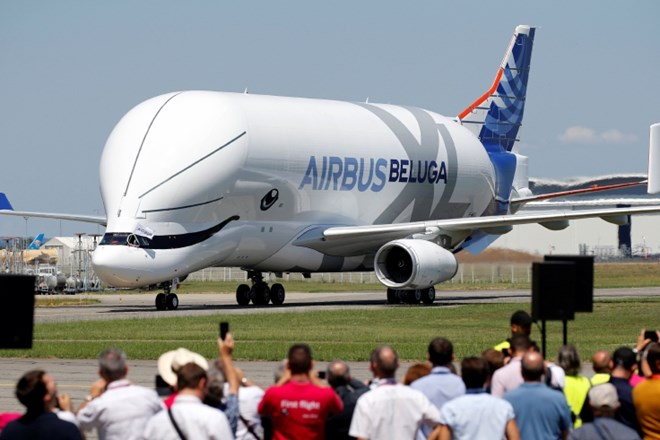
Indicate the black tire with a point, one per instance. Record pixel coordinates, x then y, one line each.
277 294
261 294
393 296
161 303
412 296
428 295
172 301
243 295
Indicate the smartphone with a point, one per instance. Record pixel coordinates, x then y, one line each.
652 335
224 329
321 374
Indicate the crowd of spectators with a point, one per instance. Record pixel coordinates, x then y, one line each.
510 391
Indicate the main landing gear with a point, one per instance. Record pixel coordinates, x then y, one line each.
167 300
427 296
259 294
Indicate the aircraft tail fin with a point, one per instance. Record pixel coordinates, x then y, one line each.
37 242
4 202
496 116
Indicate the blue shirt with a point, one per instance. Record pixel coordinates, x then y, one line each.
477 416
440 386
541 412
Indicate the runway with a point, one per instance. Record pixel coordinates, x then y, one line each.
141 305
75 376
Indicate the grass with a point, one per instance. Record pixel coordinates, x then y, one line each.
347 334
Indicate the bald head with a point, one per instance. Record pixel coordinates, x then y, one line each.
384 362
601 362
338 373
532 366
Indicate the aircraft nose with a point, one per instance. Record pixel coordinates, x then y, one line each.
114 266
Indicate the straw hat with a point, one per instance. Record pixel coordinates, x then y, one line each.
171 361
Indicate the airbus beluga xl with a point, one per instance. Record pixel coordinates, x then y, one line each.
278 185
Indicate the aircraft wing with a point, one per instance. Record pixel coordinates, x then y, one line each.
347 240
7 209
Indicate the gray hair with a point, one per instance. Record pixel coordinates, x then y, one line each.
112 363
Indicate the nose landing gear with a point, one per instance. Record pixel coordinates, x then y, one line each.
167 300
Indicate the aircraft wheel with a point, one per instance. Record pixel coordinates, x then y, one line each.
172 301
161 304
428 295
412 296
261 293
393 296
277 294
243 294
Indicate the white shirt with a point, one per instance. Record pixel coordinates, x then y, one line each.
120 412
392 411
248 401
195 419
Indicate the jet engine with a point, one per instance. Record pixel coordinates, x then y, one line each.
413 264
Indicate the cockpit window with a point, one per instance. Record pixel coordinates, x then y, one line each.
174 241
125 239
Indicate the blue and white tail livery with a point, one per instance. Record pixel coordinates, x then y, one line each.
37 242
497 115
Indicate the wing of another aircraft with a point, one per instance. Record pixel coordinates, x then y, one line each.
7 209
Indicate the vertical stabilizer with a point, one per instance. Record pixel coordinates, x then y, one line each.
654 160
497 115
37 242
4 202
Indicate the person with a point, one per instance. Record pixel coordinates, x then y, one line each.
623 364
249 396
521 324
390 410
554 374
117 408
172 360
299 403
224 398
477 414
600 363
189 417
640 347
338 375
645 394
441 385
509 376
541 412
577 386
37 391
604 402
416 371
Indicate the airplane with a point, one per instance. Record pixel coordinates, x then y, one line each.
194 179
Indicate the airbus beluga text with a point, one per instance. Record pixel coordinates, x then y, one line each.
273 184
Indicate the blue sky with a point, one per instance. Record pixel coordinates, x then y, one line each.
71 69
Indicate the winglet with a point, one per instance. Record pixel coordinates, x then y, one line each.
4 202
654 160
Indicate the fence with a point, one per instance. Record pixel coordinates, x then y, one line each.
477 273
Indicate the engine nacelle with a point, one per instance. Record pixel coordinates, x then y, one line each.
413 264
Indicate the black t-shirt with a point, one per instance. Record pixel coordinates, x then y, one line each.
40 426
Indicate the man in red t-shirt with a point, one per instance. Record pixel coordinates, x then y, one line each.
299 403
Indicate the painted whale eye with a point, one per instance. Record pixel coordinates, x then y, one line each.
269 199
